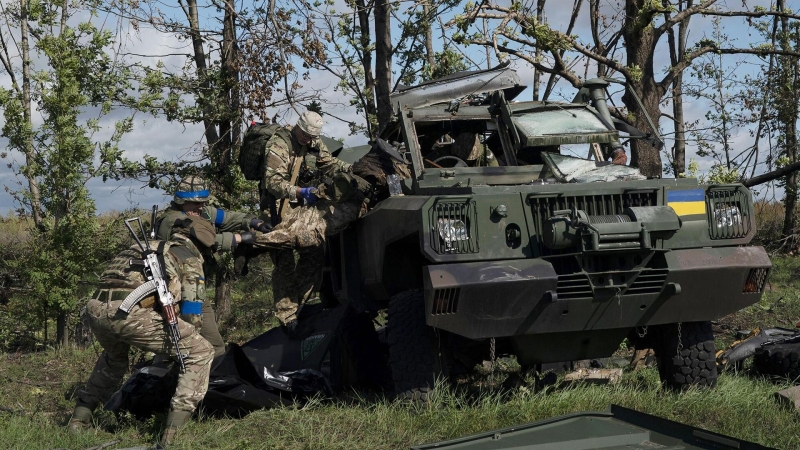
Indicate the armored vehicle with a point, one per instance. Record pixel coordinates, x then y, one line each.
509 245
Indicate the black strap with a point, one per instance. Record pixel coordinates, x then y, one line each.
160 256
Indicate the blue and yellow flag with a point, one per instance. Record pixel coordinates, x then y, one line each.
687 203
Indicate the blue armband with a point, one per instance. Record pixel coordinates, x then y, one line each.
220 218
188 307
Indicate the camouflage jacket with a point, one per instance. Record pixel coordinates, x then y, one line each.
485 159
227 224
183 264
281 155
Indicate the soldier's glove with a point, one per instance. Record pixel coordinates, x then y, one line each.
248 238
309 195
260 225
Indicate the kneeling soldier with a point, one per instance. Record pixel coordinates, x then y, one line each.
145 328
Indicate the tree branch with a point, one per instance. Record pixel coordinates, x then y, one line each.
775 174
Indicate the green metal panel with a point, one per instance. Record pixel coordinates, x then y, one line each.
621 428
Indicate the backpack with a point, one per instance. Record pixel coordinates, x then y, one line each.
251 154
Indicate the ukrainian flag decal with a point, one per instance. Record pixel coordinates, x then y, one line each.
687 203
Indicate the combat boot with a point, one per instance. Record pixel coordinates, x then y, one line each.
175 420
81 419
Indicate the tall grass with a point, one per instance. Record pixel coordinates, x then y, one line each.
741 406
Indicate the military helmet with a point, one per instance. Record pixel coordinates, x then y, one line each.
310 122
191 189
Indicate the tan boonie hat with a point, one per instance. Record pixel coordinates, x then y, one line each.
311 123
467 146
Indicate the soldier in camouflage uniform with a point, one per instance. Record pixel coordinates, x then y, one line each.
296 160
232 228
144 327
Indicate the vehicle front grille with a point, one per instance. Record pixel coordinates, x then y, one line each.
648 282
446 219
572 287
756 280
593 205
728 213
445 301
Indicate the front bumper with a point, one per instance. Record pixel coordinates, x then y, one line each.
514 298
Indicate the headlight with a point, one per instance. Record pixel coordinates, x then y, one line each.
451 231
727 216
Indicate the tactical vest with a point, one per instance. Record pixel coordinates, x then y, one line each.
181 260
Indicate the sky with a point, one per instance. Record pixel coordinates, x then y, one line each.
172 141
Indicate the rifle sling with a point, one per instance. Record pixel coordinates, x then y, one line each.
298 161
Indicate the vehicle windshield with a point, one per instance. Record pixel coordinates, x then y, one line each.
474 141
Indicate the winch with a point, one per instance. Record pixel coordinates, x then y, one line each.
636 227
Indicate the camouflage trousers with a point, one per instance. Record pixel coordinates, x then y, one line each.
143 328
307 226
295 280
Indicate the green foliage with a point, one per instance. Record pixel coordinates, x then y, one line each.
78 73
716 81
547 38
448 61
636 73
717 174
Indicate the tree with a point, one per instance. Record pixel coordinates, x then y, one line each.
211 80
641 26
73 89
355 44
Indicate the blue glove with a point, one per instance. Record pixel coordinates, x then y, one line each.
309 194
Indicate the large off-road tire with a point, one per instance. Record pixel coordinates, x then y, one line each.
693 364
781 360
413 355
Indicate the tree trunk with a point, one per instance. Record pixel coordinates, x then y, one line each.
62 336
366 64
677 47
228 93
383 61
788 115
640 46
30 161
429 55
679 149
202 72
536 74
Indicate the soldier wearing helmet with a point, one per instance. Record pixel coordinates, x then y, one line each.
190 200
296 162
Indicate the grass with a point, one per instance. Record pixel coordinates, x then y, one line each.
38 387
37 391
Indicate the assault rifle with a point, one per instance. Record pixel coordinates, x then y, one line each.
156 283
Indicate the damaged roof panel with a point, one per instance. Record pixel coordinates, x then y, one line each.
456 86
